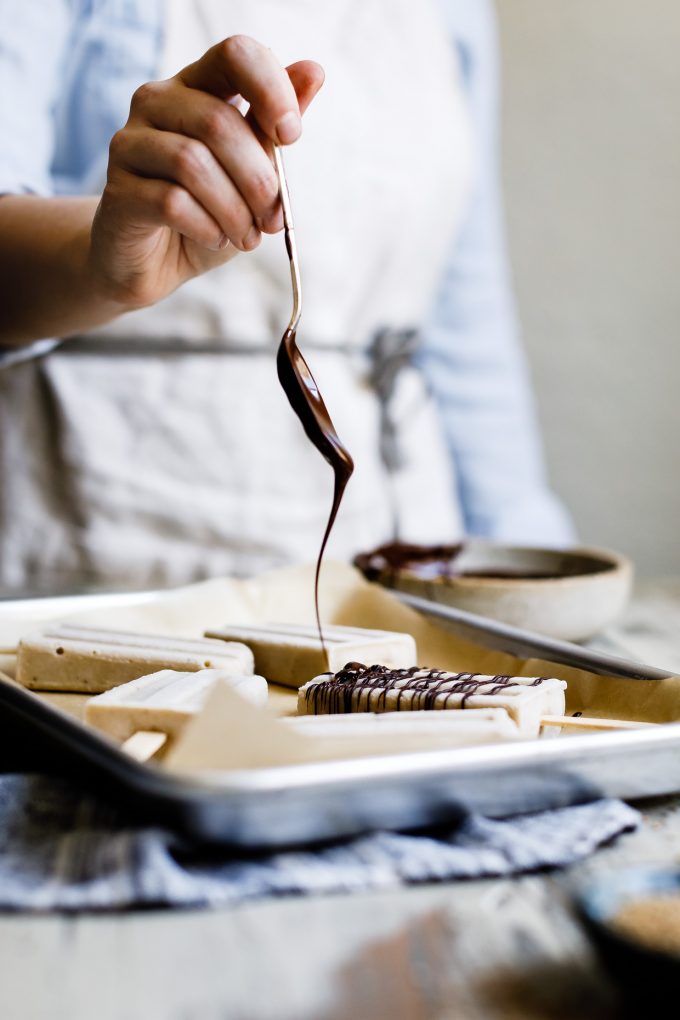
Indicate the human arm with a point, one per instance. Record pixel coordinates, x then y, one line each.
190 182
471 355
48 289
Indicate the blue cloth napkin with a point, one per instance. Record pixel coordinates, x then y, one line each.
62 851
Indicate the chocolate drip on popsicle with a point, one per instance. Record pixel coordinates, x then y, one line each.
339 691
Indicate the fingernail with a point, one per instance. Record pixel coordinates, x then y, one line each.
270 224
288 128
223 242
252 239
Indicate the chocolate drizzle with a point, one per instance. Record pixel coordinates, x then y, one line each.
303 393
352 689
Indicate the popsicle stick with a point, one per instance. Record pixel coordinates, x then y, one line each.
144 744
582 722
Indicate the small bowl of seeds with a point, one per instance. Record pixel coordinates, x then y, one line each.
633 918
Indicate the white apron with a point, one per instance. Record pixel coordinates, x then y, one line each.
157 459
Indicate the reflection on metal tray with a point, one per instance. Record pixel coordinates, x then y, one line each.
306 803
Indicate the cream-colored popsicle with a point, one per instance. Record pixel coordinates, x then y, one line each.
65 657
230 734
378 689
391 732
291 654
164 701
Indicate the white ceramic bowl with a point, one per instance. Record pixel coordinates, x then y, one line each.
567 594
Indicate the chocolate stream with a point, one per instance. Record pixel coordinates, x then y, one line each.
305 398
303 393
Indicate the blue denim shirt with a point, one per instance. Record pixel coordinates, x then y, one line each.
61 60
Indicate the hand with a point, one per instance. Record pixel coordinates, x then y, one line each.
190 179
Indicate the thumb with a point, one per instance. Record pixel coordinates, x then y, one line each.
307 77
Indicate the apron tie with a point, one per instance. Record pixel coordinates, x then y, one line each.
390 351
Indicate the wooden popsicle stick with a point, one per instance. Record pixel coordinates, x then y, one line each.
144 744
583 722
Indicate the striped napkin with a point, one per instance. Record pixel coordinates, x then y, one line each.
63 851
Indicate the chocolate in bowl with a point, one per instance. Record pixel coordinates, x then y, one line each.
424 560
568 594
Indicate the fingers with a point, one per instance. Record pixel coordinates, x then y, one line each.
189 163
224 133
306 77
157 203
242 66
206 169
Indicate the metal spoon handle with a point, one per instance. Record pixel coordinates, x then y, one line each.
289 234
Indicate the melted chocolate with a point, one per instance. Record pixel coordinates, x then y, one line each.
303 393
431 688
434 562
425 561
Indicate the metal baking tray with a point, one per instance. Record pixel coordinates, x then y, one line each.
295 805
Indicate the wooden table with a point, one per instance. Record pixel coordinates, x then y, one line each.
487 949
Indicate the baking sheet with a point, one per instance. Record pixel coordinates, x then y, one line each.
302 803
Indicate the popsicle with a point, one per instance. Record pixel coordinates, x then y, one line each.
163 703
359 688
404 731
230 734
89 660
291 654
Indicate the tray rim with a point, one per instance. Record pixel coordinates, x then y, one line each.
529 752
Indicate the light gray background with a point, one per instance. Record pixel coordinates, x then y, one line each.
591 129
